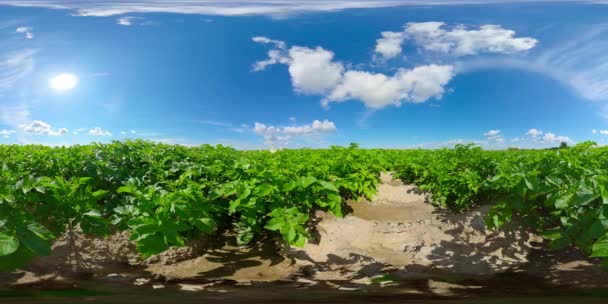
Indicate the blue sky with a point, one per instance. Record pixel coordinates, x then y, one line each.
262 74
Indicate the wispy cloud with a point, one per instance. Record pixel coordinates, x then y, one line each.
14 66
106 8
126 20
580 63
7 133
27 31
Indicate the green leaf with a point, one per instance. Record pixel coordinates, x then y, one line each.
100 193
600 248
150 245
93 213
8 244
40 230
553 234
327 185
563 201
35 237
305 182
291 235
206 225
300 241
17 259
126 189
275 224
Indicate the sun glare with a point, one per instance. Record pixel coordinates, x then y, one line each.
64 82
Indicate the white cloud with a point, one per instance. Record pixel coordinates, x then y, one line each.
379 90
578 61
494 136
125 21
27 31
104 8
546 137
313 71
78 131
389 46
492 133
14 66
42 128
316 127
603 132
129 132
456 41
97 131
280 136
265 40
7 133
534 133
14 115
594 131
552 138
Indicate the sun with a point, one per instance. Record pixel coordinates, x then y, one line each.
64 82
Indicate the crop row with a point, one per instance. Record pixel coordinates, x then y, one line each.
166 194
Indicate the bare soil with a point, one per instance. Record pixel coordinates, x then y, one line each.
398 235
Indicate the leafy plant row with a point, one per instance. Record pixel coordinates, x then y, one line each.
165 195
563 194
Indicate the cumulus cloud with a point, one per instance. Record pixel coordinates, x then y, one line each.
281 135
27 31
42 128
534 133
389 46
378 90
546 137
97 131
552 138
314 71
456 41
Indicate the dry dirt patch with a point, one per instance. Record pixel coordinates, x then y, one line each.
399 232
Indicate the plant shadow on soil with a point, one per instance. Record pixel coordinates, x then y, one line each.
224 260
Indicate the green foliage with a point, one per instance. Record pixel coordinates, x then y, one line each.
165 194
454 177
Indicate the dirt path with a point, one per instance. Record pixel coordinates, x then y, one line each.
398 233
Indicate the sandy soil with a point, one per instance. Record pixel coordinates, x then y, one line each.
398 233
